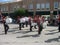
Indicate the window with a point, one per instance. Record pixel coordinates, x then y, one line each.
30 6
17 6
4 8
55 5
42 6
37 6
13 7
47 5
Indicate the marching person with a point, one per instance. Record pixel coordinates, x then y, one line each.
26 21
18 19
30 22
6 27
22 22
35 21
39 24
43 19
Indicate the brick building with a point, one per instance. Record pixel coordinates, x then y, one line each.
35 7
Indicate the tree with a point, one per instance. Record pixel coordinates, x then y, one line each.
20 12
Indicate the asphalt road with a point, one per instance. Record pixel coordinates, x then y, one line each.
49 36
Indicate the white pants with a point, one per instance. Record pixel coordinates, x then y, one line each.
44 25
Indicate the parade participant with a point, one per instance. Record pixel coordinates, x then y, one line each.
44 23
23 21
35 21
26 21
39 24
5 22
21 24
59 23
43 19
30 21
10 19
18 19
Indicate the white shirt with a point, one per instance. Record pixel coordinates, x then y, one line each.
22 20
8 20
26 18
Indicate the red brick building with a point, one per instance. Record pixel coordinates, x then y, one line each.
35 7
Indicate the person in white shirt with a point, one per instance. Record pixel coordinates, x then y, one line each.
26 21
22 22
6 27
8 20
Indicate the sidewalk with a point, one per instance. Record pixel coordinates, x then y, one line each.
49 36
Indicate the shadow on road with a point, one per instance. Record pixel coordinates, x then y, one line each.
53 39
52 33
2 34
12 30
24 32
36 35
52 30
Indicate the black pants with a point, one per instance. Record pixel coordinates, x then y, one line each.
26 23
21 25
6 27
30 26
39 28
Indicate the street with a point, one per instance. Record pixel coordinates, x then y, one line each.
49 36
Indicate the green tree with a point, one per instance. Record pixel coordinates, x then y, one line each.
20 12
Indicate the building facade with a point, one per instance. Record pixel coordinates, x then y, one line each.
35 7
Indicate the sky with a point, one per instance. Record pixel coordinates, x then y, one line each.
3 0
8 0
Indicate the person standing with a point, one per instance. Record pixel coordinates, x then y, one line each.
59 23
